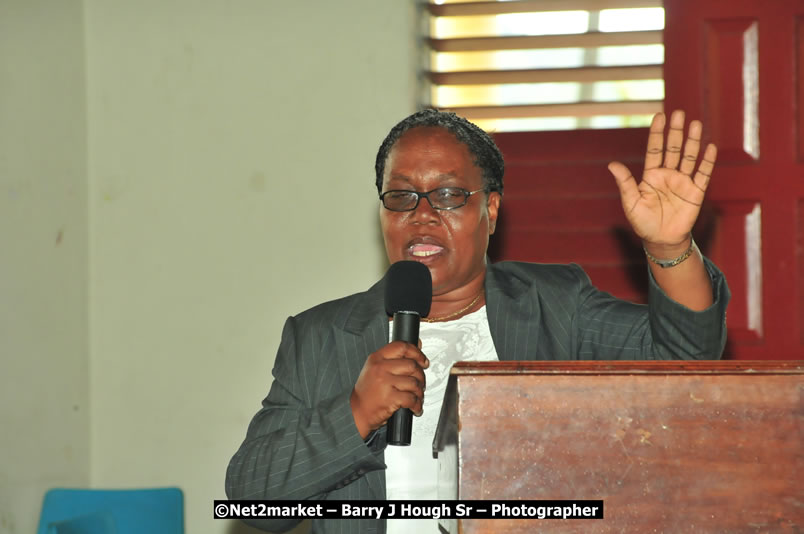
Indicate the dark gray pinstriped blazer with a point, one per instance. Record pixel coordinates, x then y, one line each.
303 443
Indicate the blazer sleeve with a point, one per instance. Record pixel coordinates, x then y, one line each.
299 446
609 328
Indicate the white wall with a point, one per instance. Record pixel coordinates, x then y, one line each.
176 178
231 152
44 409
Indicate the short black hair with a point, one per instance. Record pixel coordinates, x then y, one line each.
487 156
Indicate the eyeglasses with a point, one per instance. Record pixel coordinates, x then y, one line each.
443 198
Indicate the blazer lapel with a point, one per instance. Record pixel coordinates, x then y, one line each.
364 330
512 315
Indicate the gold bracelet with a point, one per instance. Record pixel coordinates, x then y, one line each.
664 264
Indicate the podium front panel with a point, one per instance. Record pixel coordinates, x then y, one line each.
667 447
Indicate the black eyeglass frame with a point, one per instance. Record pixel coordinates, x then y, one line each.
466 195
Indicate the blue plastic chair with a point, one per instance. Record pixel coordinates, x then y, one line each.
119 511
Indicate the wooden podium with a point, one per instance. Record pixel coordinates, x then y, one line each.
673 447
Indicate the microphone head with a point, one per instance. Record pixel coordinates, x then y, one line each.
408 288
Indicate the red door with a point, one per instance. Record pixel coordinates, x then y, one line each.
738 66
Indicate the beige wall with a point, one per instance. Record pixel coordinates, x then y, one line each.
226 150
44 391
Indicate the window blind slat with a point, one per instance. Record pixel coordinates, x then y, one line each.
586 40
546 64
580 109
584 74
531 6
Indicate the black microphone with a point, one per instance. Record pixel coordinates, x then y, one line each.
408 294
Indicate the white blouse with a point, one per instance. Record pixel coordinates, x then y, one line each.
412 471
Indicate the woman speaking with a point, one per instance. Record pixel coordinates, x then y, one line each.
338 377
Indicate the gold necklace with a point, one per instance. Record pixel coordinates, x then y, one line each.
451 315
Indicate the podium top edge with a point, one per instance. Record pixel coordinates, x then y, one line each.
606 367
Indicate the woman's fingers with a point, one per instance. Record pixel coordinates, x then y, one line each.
706 167
653 157
675 139
629 191
691 148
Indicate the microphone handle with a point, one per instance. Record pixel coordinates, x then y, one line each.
400 424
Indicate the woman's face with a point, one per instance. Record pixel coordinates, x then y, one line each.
451 243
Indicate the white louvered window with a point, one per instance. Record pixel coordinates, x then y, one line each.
526 65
